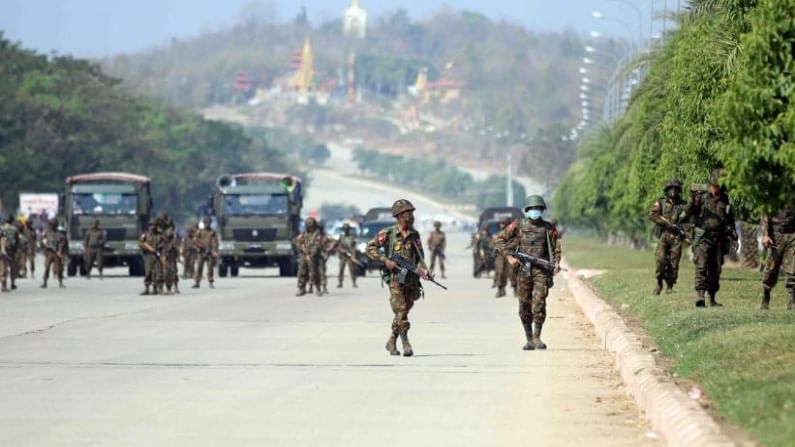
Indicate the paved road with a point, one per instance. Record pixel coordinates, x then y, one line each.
250 364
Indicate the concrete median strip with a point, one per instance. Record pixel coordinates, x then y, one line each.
672 413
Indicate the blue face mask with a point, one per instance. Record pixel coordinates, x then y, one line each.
533 214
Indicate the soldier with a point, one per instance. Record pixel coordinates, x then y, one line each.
665 213
535 237
206 243
151 243
346 251
401 239
501 267
55 245
309 246
326 248
473 244
189 252
714 229
93 243
27 247
8 253
778 237
437 243
171 252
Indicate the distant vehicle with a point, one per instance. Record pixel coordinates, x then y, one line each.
257 216
368 231
336 229
490 218
382 214
123 204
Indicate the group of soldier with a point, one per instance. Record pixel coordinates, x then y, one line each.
18 245
162 249
314 247
707 221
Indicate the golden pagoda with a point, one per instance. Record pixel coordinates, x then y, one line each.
304 77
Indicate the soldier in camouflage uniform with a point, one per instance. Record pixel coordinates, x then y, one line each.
171 252
485 252
437 243
309 246
535 237
501 266
9 233
55 245
206 243
778 237
666 212
401 239
189 252
151 243
326 248
713 232
93 243
27 247
346 252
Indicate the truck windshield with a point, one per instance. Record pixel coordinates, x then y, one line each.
104 203
255 204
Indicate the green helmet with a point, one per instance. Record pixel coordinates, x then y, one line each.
534 201
437 224
673 184
346 226
401 206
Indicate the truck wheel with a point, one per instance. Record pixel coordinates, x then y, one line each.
223 269
71 267
287 267
234 270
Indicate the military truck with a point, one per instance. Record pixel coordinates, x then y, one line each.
257 216
122 203
490 221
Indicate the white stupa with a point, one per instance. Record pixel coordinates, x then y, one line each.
355 23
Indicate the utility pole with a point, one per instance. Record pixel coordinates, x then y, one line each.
509 182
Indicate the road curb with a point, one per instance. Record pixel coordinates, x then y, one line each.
671 411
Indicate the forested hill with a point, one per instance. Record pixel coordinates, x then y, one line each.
513 79
61 116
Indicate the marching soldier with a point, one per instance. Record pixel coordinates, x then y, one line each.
309 246
437 243
665 213
535 237
55 246
346 251
326 248
485 252
189 252
403 240
8 253
171 249
712 234
206 243
93 243
501 267
778 237
151 243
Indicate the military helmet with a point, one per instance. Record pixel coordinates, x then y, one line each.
207 220
310 220
346 226
401 206
715 176
673 183
437 224
95 224
534 201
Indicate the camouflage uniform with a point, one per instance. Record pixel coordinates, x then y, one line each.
326 247
501 266
437 243
309 246
713 222
151 243
189 253
346 252
485 251
171 253
537 238
93 243
206 242
666 212
26 256
401 296
55 246
780 253
9 233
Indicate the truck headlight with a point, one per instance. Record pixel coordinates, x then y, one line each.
130 246
284 246
226 246
75 247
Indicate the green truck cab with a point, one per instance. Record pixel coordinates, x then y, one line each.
122 203
257 216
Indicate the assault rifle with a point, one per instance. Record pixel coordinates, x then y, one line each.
351 256
407 267
529 261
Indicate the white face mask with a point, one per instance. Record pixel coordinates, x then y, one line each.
533 214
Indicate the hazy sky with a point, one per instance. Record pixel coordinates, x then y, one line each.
100 27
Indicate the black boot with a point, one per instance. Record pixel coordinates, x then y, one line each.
195 285
145 292
500 292
407 350
658 289
391 344
528 333
765 299
537 336
700 299
669 287
712 301
301 292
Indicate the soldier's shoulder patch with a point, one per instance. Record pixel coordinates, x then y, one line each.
381 236
553 232
511 226
142 237
656 205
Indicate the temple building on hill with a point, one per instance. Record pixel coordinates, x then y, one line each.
442 91
354 25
